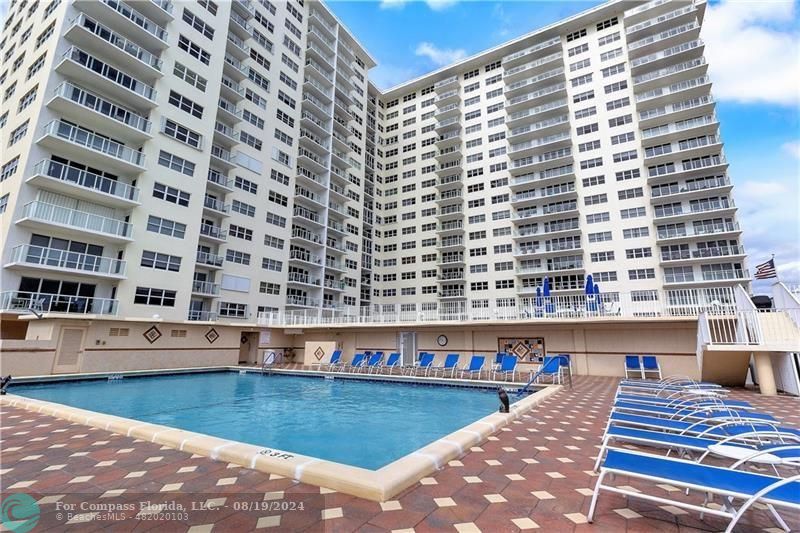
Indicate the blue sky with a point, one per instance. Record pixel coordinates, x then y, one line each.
753 49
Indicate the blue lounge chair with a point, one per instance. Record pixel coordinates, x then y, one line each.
372 363
450 365
412 368
334 361
358 361
689 412
508 367
732 485
650 366
551 370
392 362
498 360
425 363
684 401
475 366
565 361
633 367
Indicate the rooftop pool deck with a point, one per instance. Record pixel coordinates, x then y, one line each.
536 472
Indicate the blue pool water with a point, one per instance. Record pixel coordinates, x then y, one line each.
360 423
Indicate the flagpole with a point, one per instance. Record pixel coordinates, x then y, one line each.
777 278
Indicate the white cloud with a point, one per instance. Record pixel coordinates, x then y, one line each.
385 75
751 48
440 56
436 5
792 148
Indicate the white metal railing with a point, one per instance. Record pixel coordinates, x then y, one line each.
533 80
533 64
205 258
666 71
531 95
102 106
532 49
667 52
65 216
86 179
118 41
205 316
753 327
659 19
531 111
67 260
676 107
215 232
666 34
94 142
446 81
205 287
688 303
673 88
137 18
113 75
21 301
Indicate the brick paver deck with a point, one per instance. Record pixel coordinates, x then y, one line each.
534 474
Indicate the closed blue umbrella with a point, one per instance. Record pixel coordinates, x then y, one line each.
596 289
548 307
596 293
591 303
538 301
589 285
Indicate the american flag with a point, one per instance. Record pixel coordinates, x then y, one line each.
766 270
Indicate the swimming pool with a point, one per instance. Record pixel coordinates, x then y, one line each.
367 424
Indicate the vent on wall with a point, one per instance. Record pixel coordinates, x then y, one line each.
178 333
118 332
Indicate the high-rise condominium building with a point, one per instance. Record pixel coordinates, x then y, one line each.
207 161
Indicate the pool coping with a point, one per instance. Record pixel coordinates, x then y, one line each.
376 485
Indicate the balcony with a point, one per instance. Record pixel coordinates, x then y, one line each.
664 39
225 135
448 124
230 90
447 155
237 47
240 26
530 84
544 176
451 138
450 212
218 181
671 74
524 116
304 256
312 160
335 285
451 166
554 209
307 197
553 265
449 110
452 227
716 207
201 316
213 206
331 264
675 131
83 145
708 277
315 143
159 11
544 194
667 56
314 123
297 278
123 18
450 196
657 23
686 149
702 254
694 189
336 227
301 301
222 157
525 165
77 183
205 288
79 65
530 51
451 242
677 111
78 104
531 67
209 260
17 301
309 178
213 233
452 293
448 97
447 276
445 84
308 216
234 69
39 214
533 98
89 34
29 256
682 90
688 168
451 259
727 229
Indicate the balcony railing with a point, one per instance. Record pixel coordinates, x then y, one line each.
215 204
698 230
532 49
670 190
205 258
302 301
205 287
86 179
67 260
201 316
94 142
137 18
215 232
110 73
118 41
92 101
624 305
64 216
56 303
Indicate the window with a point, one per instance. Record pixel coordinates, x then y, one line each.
580 64
588 146
641 273
35 67
250 140
638 253
587 112
4 203
181 133
173 162
575 50
607 23
246 185
269 288
190 76
628 174
235 256
193 50
595 199
581 80
184 104
607 39
616 104
599 257
18 133
623 138
232 310
611 54
243 208
616 86
602 236
613 69
627 194
625 156
633 212
581 97
589 128
9 169
597 217
166 227
576 35
170 194
594 180
151 296
633 233
620 121
240 232
592 163
198 24
160 261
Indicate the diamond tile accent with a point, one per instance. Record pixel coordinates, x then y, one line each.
524 523
444 502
